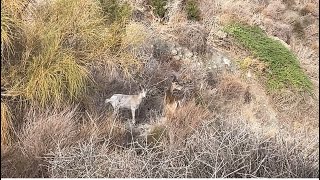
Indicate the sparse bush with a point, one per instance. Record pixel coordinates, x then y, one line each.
158 134
298 29
289 3
159 7
311 8
193 10
40 134
230 141
285 71
230 88
193 36
274 10
186 120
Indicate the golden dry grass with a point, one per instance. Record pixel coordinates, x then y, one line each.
6 124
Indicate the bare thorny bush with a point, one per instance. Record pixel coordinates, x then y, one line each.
214 148
207 144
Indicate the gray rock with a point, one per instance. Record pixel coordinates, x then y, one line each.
220 34
188 54
226 61
176 58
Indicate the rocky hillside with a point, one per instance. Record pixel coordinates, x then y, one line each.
248 106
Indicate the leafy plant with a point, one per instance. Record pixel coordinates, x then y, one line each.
284 68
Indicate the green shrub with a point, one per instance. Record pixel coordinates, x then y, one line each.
193 11
284 68
159 7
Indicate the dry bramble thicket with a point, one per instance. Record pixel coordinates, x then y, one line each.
249 106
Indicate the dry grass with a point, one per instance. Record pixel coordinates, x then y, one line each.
230 88
41 133
274 10
185 121
10 25
300 108
192 35
102 129
217 148
6 124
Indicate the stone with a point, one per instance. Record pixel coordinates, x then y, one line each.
188 54
226 61
220 34
249 75
176 58
174 52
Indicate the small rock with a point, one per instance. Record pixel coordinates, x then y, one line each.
281 41
189 54
220 34
176 58
226 61
249 75
174 52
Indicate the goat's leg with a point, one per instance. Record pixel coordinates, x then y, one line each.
133 111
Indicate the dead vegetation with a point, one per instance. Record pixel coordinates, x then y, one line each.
57 75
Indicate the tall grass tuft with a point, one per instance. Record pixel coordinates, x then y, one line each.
61 38
11 23
55 82
6 124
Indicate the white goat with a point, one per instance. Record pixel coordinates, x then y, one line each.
126 101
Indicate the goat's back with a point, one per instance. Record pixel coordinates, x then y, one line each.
125 101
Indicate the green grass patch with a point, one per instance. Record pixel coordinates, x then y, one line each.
193 11
284 68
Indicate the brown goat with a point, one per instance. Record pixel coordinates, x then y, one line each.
170 101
